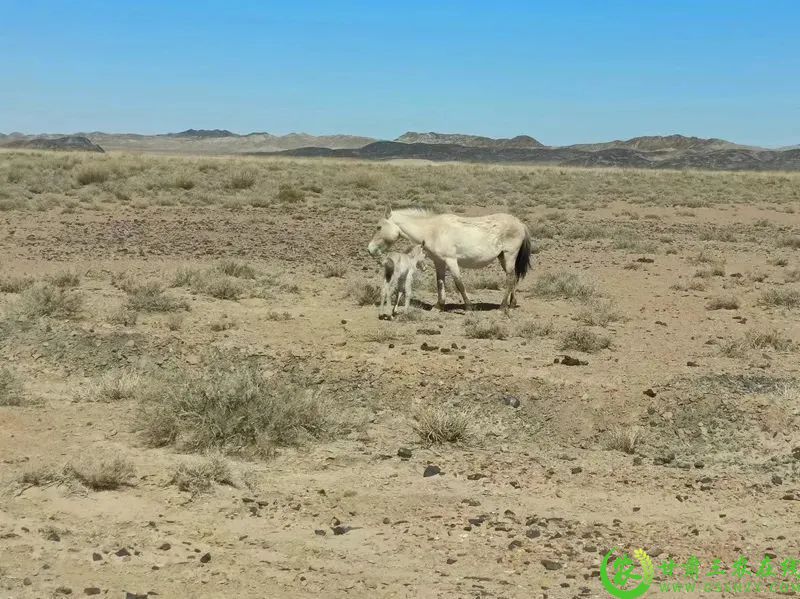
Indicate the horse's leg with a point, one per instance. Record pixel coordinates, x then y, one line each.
400 292
386 294
452 265
509 299
441 269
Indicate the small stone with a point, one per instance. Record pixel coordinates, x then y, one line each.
451 560
637 461
27 581
476 476
122 552
404 453
576 470
776 480
206 557
511 401
53 536
692 363
431 470
91 591
699 464
533 532
649 393
63 591
515 544
341 530
550 564
96 557
319 532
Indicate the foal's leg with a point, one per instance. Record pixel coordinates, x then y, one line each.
386 298
399 286
441 269
452 265
407 292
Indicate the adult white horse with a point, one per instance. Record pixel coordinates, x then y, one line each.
454 242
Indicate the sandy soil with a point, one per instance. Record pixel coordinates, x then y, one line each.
532 483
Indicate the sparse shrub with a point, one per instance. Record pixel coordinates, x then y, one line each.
623 439
181 181
599 313
365 294
290 195
335 271
789 241
442 424
150 297
793 276
234 410
40 476
15 284
243 179
753 339
65 280
277 316
219 286
236 268
531 328
113 386
185 277
784 298
483 328
124 317
778 261
92 173
174 321
564 285
584 340
201 477
222 325
723 302
45 299
103 474
10 388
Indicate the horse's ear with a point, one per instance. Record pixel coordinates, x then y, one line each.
422 244
388 212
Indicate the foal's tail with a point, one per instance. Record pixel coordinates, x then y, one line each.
523 261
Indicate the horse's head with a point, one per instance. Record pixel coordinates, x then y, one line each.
386 234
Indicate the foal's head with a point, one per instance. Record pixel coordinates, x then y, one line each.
386 234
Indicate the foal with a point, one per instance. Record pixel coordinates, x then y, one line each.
398 276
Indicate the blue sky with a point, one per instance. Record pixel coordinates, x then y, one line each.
561 71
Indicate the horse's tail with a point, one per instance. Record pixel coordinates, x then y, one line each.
523 261
388 269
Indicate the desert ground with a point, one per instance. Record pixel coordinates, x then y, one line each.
197 398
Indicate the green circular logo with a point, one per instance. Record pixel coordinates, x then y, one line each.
622 578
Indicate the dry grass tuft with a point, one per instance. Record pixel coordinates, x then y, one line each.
234 410
45 299
599 313
564 285
150 297
15 284
623 438
723 302
10 388
789 241
436 425
113 386
201 477
365 294
103 474
484 328
236 268
782 298
753 339
584 340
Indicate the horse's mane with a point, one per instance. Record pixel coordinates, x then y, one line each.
412 211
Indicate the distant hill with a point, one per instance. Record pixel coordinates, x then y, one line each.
714 159
202 133
472 141
69 142
655 143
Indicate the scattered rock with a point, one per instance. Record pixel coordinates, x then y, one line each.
122 552
404 453
451 560
699 464
428 332
341 529
63 591
319 532
165 547
476 476
637 461
776 480
645 260
471 502
53 536
427 347
91 591
692 363
666 458
511 401
533 532
649 393
515 544
550 564
570 361
431 470
96 557
27 581
576 470
205 558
